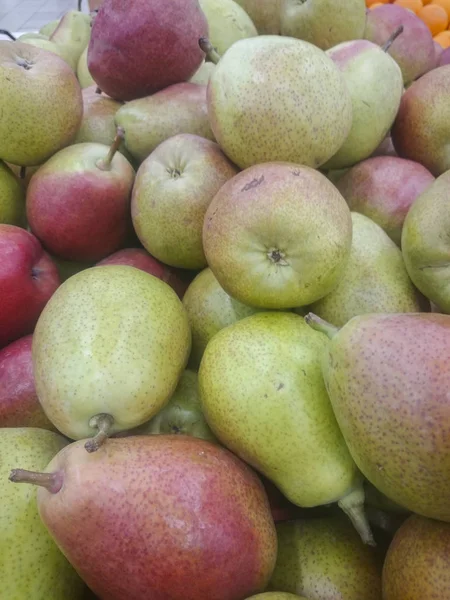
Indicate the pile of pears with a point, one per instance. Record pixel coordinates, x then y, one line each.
236 386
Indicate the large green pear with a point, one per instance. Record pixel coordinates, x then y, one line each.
227 23
426 242
265 14
324 23
108 350
324 559
263 396
274 98
31 566
375 83
12 198
375 278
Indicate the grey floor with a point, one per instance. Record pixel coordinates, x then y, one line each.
30 15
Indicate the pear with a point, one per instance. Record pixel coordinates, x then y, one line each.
30 35
276 596
49 28
108 351
180 108
50 46
40 104
227 23
263 396
189 513
426 244
323 23
203 73
84 77
376 86
12 198
32 566
324 559
210 309
387 378
273 98
375 279
417 562
73 34
265 14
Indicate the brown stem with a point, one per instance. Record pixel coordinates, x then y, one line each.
103 422
50 481
105 163
98 90
209 50
321 325
22 172
392 38
353 506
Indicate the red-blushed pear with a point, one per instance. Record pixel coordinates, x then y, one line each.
179 517
413 50
141 259
40 104
19 404
444 58
78 203
383 188
140 47
28 278
421 131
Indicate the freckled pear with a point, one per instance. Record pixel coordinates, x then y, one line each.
108 351
388 378
274 98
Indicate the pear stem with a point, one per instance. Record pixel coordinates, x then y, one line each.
392 39
321 325
50 481
105 163
209 50
103 422
22 172
353 506
98 90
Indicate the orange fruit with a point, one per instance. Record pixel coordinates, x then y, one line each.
434 17
413 5
370 3
443 39
445 5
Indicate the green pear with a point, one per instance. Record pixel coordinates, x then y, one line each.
50 46
375 278
324 559
276 596
12 198
375 83
73 34
210 309
324 23
426 242
49 28
387 377
265 14
84 77
263 396
203 73
108 350
274 98
32 566
30 35
227 23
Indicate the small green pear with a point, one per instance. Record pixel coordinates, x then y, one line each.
12 198
426 242
31 564
84 77
73 34
324 559
375 278
265 14
49 28
227 23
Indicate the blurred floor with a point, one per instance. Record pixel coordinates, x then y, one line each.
30 15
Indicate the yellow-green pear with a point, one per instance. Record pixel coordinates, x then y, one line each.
31 567
84 77
265 14
227 23
324 23
375 278
203 73
49 28
73 34
263 395
108 351
12 198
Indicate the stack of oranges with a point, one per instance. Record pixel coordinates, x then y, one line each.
434 13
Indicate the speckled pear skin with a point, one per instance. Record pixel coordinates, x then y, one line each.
417 565
32 566
324 23
325 559
265 14
114 340
276 596
388 378
256 118
278 235
375 279
426 244
12 198
41 105
195 519
263 395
